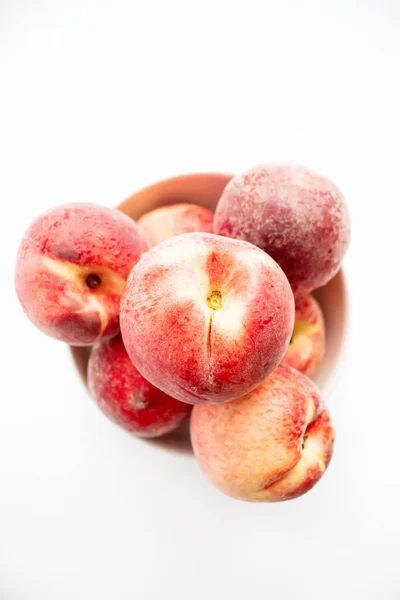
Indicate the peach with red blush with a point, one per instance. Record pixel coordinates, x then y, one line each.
71 269
206 318
126 398
166 221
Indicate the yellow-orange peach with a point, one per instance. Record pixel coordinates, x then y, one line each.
272 444
206 318
162 223
307 345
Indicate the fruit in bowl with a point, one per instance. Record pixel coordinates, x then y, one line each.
126 397
164 222
271 444
306 349
205 318
71 269
299 217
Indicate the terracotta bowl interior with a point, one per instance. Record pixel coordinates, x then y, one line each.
205 189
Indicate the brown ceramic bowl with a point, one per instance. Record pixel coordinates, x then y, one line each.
205 189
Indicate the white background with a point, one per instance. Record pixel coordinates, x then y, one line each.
98 99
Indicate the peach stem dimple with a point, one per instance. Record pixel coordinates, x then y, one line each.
214 300
93 281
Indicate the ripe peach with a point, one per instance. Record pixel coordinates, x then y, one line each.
164 222
126 397
297 216
307 345
71 268
206 318
272 444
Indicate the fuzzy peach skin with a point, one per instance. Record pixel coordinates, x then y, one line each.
273 444
126 397
71 268
206 318
306 349
299 217
165 222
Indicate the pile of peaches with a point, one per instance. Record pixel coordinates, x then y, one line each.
209 316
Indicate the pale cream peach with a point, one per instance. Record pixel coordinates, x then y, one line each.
272 444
